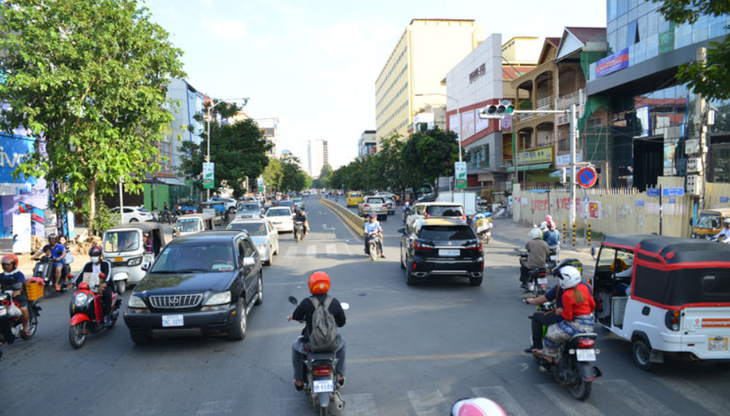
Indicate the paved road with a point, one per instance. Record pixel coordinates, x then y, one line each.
411 351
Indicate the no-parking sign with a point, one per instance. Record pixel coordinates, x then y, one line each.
587 177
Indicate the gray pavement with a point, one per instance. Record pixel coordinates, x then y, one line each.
411 350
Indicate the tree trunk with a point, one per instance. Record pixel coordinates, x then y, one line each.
92 206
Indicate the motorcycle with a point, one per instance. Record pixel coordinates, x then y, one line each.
485 233
43 270
374 245
537 282
573 368
298 231
553 258
406 214
87 314
319 381
11 326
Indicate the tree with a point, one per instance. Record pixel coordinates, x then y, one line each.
88 78
239 151
273 174
293 177
431 154
711 79
326 171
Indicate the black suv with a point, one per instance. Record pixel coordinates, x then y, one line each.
441 246
200 284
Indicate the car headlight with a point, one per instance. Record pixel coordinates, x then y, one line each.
80 299
136 302
263 248
135 261
219 299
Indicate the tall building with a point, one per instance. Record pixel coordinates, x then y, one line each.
425 52
317 156
367 145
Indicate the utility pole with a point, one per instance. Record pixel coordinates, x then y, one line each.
702 114
573 138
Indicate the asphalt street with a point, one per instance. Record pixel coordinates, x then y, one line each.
410 350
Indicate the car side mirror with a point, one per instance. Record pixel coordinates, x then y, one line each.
402 230
249 261
145 266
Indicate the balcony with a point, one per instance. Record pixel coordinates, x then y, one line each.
564 102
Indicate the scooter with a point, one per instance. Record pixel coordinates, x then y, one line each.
87 314
319 382
44 270
485 233
573 368
537 282
11 326
406 214
374 245
553 257
298 231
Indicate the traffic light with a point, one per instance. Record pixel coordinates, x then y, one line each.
500 111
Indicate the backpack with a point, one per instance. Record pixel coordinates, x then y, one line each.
323 337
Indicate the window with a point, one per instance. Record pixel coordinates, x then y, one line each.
118 242
253 228
448 233
249 250
716 285
437 211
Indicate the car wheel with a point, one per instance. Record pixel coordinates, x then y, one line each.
133 220
240 323
475 281
260 291
140 338
642 355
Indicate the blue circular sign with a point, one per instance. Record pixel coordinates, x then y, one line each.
587 177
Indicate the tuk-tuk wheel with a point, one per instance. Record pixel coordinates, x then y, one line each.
642 355
121 286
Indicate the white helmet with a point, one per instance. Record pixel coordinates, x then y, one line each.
535 233
727 221
408 203
476 407
569 277
543 225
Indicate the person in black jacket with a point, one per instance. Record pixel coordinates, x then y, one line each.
319 285
99 266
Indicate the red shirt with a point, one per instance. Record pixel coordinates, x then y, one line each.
572 308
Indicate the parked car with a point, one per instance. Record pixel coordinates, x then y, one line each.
200 284
228 203
373 205
438 247
436 210
281 217
264 235
133 214
249 209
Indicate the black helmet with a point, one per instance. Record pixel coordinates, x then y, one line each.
52 236
95 251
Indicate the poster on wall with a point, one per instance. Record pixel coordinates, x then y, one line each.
594 210
467 124
670 148
454 123
21 229
482 124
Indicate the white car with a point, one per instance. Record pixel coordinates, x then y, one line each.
305 194
264 235
229 203
133 214
281 217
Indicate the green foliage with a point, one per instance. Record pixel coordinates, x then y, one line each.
524 105
293 177
273 174
432 154
710 79
102 221
89 77
239 150
326 171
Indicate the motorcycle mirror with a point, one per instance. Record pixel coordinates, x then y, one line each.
593 252
293 300
345 306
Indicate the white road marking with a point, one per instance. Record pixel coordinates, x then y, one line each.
428 403
565 402
359 405
331 250
697 394
641 402
292 251
291 406
216 408
500 395
312 251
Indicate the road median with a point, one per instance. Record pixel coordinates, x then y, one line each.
350 219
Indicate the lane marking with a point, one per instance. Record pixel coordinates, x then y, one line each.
697 394
565 402
428 403
436 357
501 396
312 251
216 407
640 402
331 250
360 404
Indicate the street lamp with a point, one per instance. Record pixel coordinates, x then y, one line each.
207 158
458 114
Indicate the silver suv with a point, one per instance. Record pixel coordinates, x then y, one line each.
377 205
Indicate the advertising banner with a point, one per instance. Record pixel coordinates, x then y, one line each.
460 174
534 156
613 63
467 124
21 230
208 175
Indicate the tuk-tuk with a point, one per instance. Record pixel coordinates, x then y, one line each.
666 295
124 247
216 209
192 223
709 222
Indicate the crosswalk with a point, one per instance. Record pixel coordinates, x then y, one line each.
325 249
609 398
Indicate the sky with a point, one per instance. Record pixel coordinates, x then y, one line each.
313 64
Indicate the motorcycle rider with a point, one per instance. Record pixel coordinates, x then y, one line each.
538 252
575 307
372 226
724 235
58 253
96 265
319 286
551 236
12 276
302 216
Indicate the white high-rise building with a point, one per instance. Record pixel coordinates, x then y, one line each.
317 156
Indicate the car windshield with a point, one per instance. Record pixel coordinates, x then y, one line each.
121 241
354 195
286 203
446 233
278 212
296 199
440 211
709 221
253 228
248 207
188 225
200 257
375 201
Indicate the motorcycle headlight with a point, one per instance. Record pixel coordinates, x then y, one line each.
80 299
135 261
219 299
136 302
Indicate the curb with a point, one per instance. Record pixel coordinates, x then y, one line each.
354 222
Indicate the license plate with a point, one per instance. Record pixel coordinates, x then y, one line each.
718 345
449 253
554 258
586 355
542 281
324 386
172 320
118 259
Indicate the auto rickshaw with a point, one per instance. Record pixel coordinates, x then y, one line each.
124 247
192 223
709 222
216 209
668 296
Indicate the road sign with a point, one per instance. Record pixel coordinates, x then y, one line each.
587 177
672 191
652 191
208 175
460 173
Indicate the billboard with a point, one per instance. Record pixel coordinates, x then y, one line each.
613 63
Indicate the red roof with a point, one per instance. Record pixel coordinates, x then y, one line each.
554 41
514 72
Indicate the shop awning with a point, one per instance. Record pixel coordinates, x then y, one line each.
539 166
172 181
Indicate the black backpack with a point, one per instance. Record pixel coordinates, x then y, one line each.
323 337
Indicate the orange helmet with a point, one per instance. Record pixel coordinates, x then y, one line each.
11 259
319 282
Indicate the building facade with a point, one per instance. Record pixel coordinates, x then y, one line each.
427 49
317 156
368 144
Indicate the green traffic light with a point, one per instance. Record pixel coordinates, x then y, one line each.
510 109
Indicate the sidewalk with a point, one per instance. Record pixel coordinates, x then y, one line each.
505 228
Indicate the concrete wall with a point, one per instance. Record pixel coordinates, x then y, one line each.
351 219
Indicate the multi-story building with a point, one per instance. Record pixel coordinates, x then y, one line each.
427 49
270 128
367 145
650 114
317 156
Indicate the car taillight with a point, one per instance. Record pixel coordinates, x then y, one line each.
420 246
477 247
671 320
366 205
428 215
463 217
586 343
323 370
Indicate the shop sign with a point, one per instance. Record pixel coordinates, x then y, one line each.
613 63
477 73
534 156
